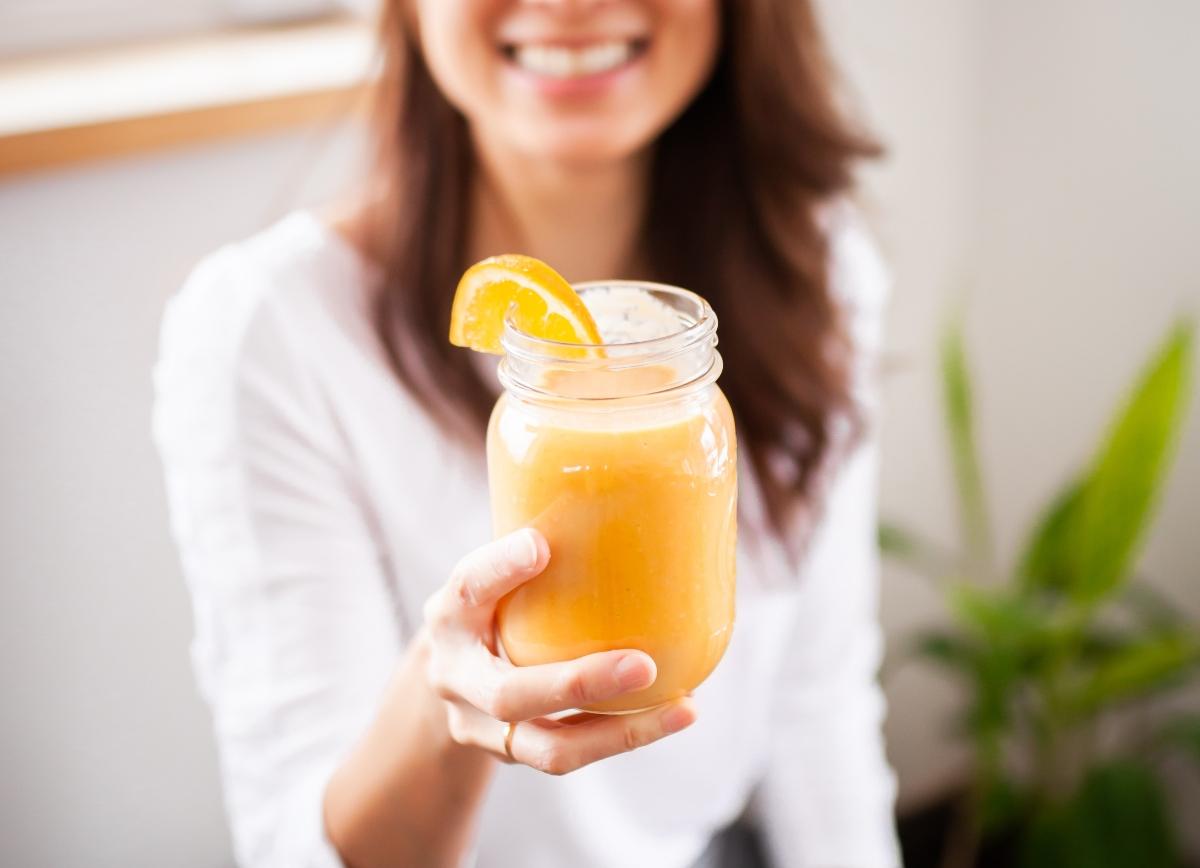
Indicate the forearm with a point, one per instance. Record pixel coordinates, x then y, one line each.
407 794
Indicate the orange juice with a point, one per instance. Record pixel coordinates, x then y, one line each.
631 475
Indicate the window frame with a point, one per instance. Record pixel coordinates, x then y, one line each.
30 27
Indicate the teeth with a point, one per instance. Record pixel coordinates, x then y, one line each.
600 58
560 62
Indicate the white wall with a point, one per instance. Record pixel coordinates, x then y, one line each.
1088 222
106 751
1041 156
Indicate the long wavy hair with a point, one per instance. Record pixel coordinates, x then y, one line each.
737 186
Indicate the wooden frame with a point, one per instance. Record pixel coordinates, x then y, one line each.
44 149
212 103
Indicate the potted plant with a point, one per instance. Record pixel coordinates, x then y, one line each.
1055 647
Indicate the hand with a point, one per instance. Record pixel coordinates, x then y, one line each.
483 692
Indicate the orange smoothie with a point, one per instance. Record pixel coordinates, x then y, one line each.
639 506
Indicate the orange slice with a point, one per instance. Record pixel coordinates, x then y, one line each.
540 302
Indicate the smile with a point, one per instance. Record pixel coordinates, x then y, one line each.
566 62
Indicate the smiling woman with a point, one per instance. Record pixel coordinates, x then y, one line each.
323 444
580 87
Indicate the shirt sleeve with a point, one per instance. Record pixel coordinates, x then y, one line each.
295 628
827 795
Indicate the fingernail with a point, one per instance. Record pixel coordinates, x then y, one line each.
522 550
677 717
632 671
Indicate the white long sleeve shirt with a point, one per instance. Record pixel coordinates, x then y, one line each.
316 508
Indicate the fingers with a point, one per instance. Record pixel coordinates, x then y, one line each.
485 575
512 693
563 749
481 689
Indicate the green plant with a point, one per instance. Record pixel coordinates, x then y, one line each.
1051 649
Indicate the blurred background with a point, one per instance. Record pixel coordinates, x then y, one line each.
1043 176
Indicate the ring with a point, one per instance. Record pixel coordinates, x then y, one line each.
509 729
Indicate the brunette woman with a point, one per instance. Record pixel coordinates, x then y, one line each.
322 444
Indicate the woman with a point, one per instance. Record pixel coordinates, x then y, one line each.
322 447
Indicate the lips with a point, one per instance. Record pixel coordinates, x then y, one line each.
575 61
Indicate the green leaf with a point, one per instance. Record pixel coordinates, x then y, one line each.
1145 665
960 421
1001 805
1100 643
1183 732
1117 819
1122 486
990 672
1018 635
898 542
1047 562
995 677
914 551
1047 841
1002 616
949 650
1151 607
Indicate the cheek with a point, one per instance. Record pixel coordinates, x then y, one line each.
457 50
690 34
688 40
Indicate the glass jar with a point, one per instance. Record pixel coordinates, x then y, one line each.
624 456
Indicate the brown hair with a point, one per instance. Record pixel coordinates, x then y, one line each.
735 192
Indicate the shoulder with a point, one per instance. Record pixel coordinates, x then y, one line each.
273 279
249 316
296 280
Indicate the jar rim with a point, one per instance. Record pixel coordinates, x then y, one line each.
703 327
690 353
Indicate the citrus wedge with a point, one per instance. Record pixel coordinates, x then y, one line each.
540 302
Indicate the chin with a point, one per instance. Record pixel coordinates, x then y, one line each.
595 141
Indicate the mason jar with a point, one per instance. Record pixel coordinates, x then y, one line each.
624 456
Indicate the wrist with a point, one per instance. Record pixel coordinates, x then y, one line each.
419 694
415 693
408 793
